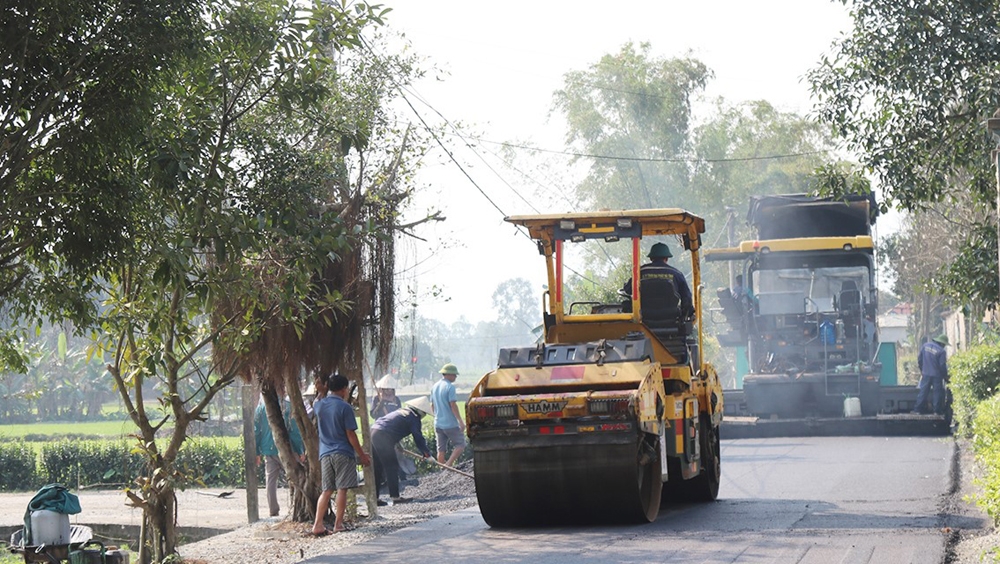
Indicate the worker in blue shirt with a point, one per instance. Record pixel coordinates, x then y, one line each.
339 450
933 363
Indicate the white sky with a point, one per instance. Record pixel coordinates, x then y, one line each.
499 64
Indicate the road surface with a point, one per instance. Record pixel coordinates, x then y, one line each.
803 500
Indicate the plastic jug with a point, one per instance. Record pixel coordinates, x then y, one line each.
827 332
852 407
49 528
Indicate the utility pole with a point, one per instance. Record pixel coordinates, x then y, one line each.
413 332
730 237
993 124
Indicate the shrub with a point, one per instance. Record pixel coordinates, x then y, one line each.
114 463
89 463
212 462
986 442
975 376
17 466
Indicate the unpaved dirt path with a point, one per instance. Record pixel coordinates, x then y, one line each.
195 508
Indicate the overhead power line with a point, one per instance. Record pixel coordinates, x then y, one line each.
468 145
650 159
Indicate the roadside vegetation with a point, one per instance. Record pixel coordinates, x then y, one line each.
99 455
114 464
930 157
975 386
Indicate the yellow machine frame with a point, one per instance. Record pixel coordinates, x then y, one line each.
523 414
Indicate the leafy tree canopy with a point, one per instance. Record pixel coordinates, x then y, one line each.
632 117
630 113
76 94
910 89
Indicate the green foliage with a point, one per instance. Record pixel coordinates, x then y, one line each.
77 95
635 106
115 464
212 462
60 381
88 463
17 466
216 208
986 442
754 149
53 431
910 90
971 277
975 376
631 115
12 356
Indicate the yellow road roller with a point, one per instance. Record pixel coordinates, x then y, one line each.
613 411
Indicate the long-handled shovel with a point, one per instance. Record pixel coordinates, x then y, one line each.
455 470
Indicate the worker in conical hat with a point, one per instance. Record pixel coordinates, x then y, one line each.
385 400
386 434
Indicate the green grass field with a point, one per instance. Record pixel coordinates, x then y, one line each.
114 430
38 434
103 429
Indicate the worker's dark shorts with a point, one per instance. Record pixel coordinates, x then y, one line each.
455 435
339 471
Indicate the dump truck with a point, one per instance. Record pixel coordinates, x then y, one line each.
804 325
613 411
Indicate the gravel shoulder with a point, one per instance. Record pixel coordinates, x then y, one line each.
971 544
280 541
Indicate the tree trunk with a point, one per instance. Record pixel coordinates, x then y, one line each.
294 469
250 453
371 488
303 476
162 517
158 537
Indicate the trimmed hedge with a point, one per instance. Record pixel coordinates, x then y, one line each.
87 463
212 463
975 376
206 462
17 467
986 441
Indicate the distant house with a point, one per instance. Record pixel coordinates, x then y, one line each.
902 308
893 327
